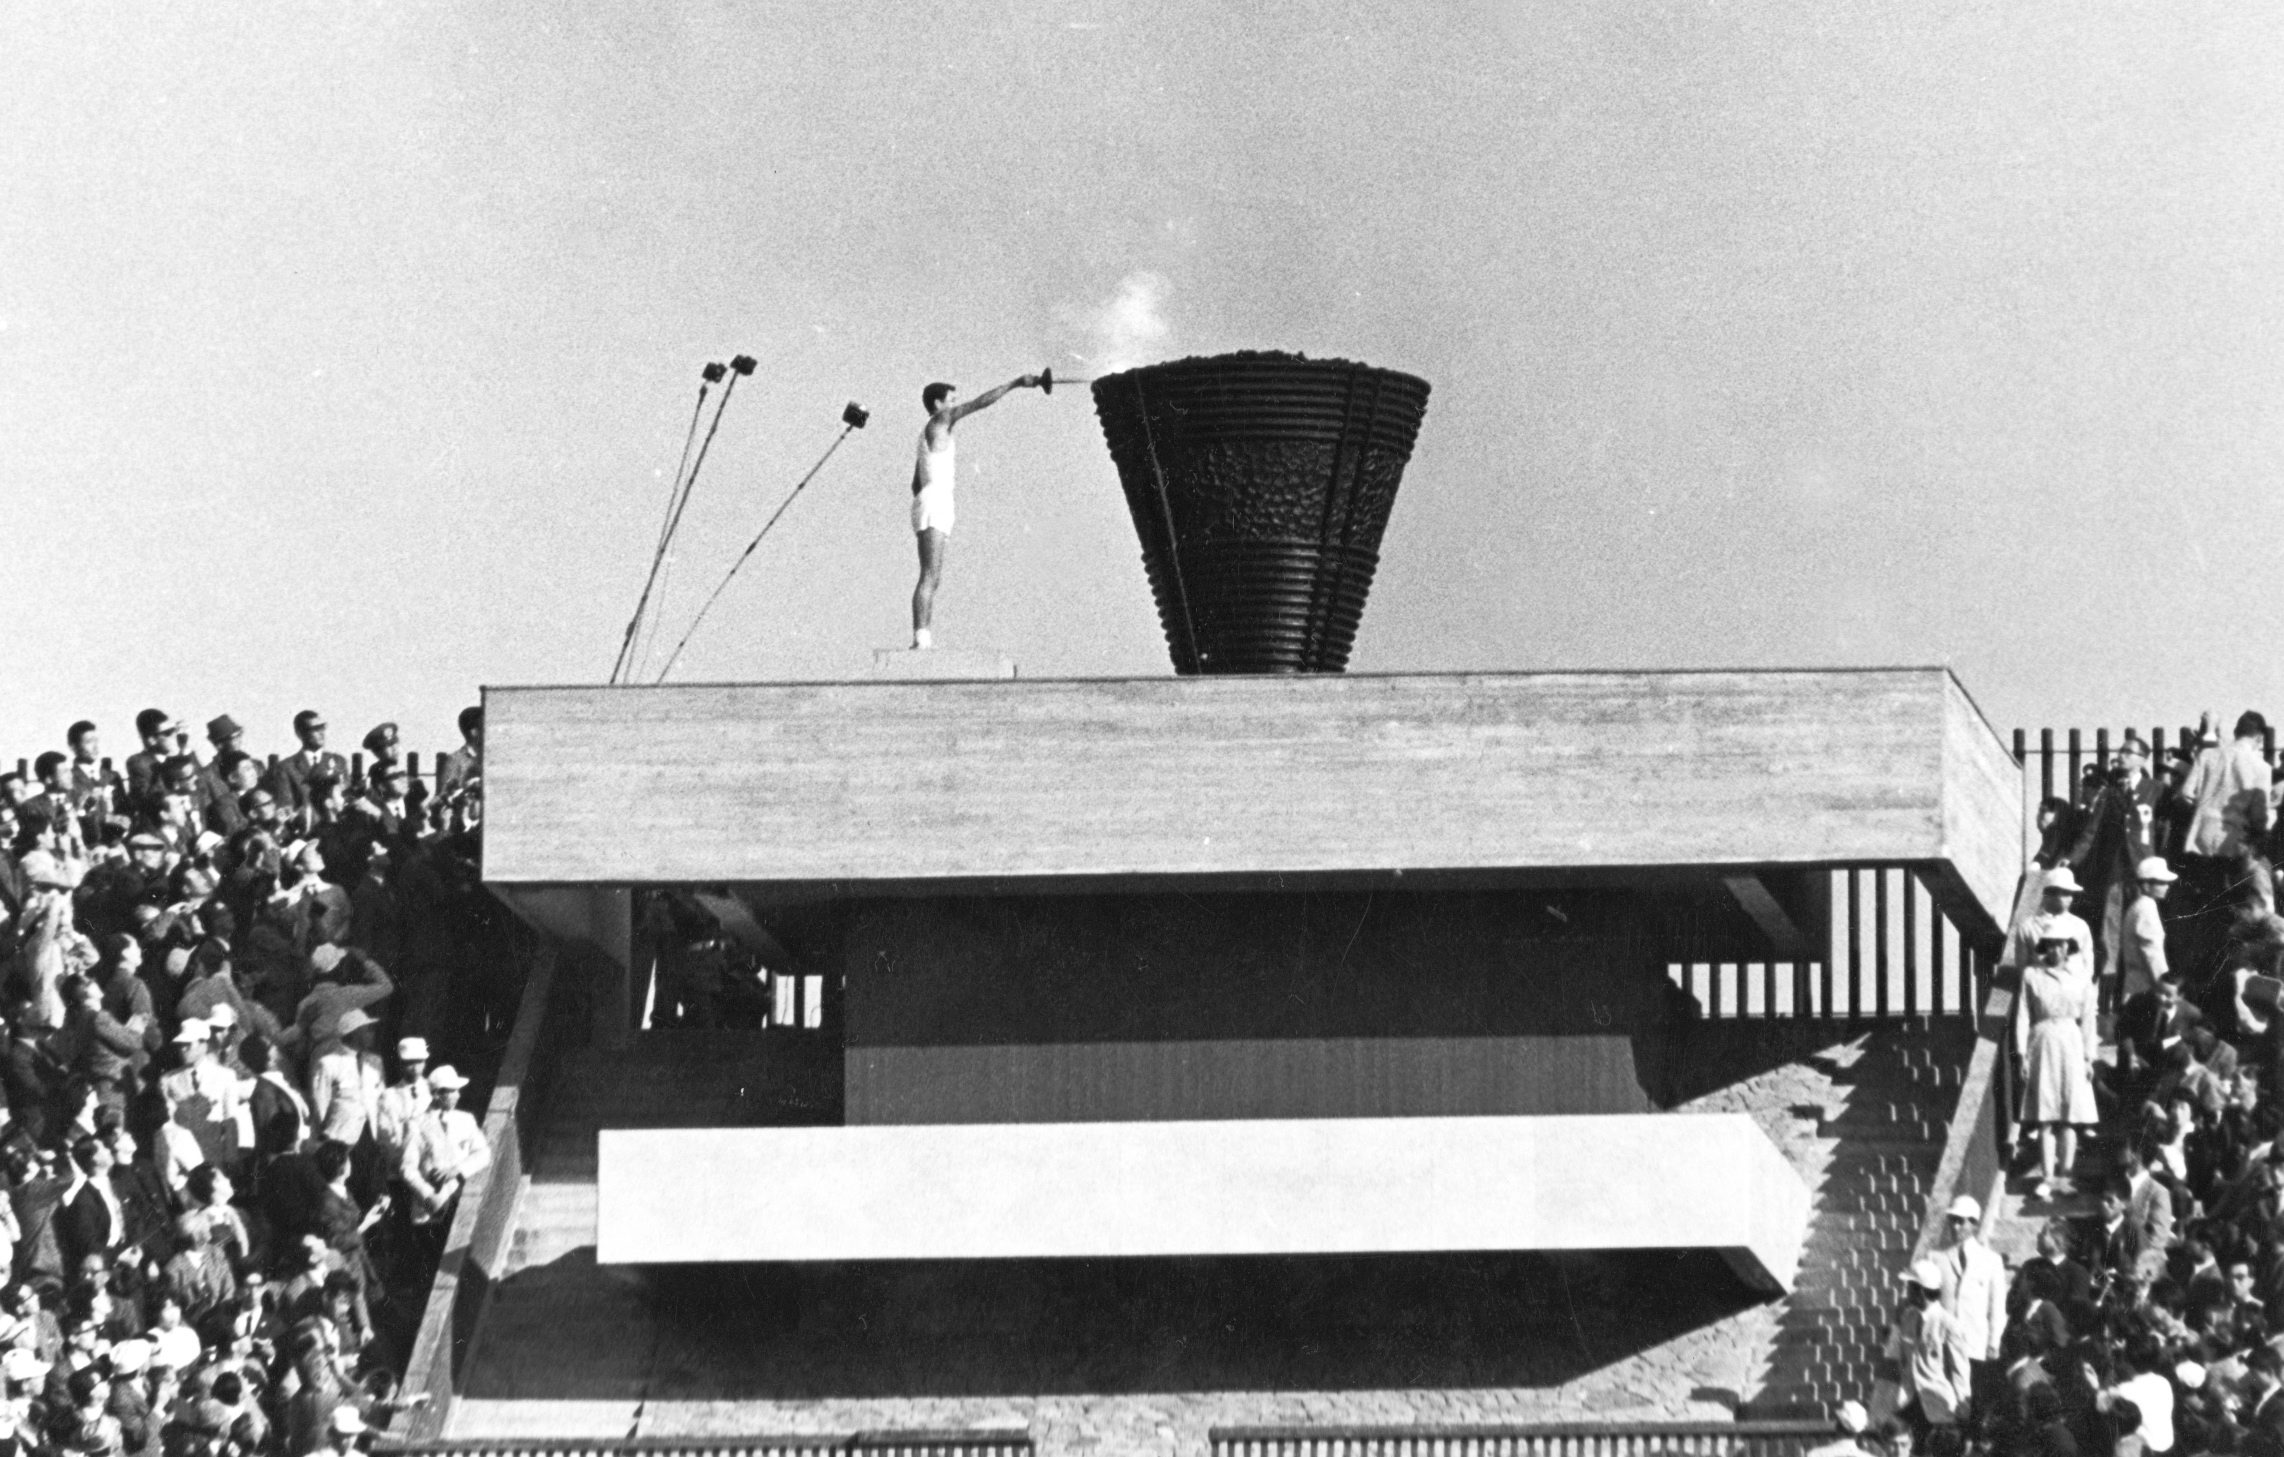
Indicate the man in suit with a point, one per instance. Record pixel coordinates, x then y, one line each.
1975 1291
460 775
89 1221
289 782
2120 832
226 737
2263 1417
2148 1024
95 787
162 740
2137 1223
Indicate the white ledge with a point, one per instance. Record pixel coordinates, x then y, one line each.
1240 1187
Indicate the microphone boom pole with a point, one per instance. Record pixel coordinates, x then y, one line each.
852 420
740 367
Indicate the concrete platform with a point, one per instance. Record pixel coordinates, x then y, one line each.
1254 1187
940 665
984 786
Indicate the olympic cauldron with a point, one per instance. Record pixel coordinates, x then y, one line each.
1260 485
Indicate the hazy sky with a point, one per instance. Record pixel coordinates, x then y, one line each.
345 350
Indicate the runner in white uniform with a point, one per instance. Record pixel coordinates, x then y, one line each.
932 479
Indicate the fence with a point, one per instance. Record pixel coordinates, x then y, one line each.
2066 762
859 1444
1891 953
1560 1439
356 767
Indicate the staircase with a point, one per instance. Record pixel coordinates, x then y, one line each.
552 1307
1899 1086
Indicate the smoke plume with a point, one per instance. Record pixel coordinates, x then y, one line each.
1127 329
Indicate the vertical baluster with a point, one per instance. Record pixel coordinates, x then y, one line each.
1880 966
1937 924
1855 947
1911 944
2077 766
1831 967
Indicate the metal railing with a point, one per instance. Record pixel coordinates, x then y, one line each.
270 761
2060 759
1550 1439
852 1444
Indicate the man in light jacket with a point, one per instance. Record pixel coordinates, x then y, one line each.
1974 1291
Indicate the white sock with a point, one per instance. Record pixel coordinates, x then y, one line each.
922 638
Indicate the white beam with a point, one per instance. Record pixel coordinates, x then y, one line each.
1240 1187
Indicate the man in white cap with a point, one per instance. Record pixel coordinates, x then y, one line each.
402 1103
345 1080
1929 1351
446 1149
203 1096
2141 943
1974 1291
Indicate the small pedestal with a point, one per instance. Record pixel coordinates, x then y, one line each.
923 665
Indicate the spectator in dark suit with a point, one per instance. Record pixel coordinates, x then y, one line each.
289 781
162 739
95 787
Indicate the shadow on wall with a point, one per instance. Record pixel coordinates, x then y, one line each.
1036 1327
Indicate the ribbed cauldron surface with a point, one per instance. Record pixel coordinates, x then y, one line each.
1260 485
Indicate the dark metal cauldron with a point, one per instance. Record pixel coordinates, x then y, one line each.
1260 485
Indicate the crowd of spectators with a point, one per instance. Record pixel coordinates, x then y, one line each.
230 1157
2151 1317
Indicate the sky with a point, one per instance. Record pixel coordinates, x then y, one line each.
346 352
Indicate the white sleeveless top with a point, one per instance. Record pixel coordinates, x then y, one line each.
933 468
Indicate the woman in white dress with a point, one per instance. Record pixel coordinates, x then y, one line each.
2058 1087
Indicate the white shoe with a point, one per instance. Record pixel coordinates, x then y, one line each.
922 639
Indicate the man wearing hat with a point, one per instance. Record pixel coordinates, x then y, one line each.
2141 950
289 782
402 1103
1929 1350
161 734
226 737
446 1149
2121 830
381 743
1974 1291
343 979
345 1081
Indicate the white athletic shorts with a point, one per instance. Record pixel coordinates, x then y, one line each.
932 508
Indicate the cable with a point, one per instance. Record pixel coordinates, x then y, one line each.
852 420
